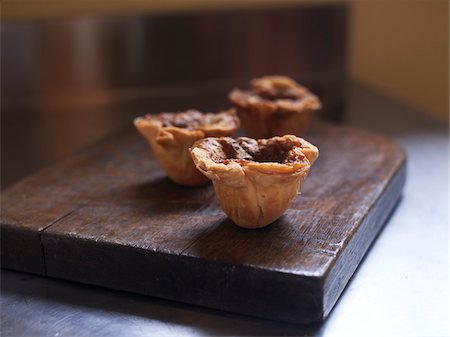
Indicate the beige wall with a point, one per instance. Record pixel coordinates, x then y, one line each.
402 49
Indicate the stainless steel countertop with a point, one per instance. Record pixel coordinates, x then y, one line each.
400 289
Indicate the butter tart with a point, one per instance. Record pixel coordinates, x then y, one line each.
255 180
274 106
171 134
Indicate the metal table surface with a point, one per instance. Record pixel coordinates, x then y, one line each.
400 289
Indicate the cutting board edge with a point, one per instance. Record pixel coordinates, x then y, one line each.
363 238
286 305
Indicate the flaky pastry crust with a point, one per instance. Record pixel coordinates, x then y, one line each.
255 180
274 106
170 136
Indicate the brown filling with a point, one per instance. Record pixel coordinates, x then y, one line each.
243 149
277 87
285 94
273 88
191 119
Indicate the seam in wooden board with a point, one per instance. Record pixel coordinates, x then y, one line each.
190 245
206 229
205 207
44 262
402 165
196 240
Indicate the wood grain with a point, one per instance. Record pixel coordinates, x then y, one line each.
109 217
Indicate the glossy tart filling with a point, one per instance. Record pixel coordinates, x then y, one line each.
286 150
272 93
192 119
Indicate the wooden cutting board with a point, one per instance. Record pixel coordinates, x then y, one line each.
109 217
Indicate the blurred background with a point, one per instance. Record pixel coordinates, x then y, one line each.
73 72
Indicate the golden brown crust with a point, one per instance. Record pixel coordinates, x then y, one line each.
170 136
255 180
274 105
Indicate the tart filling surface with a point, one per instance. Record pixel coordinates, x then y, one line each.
275 94
193 120
278 154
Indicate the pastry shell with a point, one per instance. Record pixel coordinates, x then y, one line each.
255 180
274 106
170 136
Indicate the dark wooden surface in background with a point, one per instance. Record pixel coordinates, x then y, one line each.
108 216
67 83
